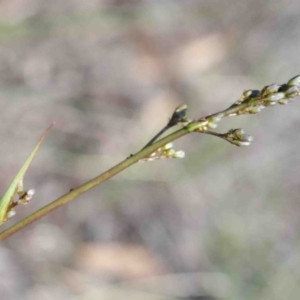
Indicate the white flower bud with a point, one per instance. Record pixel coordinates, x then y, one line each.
292 91
10 214
167 146
275 97
294 81
179 154
212 125
251 93
254 110
241 143
271 89
170 152
238 137
283 101
270 103
30 194
247 93
214 119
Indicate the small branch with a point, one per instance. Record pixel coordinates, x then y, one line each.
92 183
177 117
157 136
236 137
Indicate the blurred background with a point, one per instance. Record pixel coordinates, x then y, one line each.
223 223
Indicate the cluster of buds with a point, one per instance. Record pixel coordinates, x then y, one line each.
238 137
178 116
212 122
270 95
251 102
23 198
167 151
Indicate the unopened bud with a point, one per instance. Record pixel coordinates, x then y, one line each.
275 97
251 93
30 193
215 119
239 133
238 137
270 103
240 143
212 125
283 101
270 89
178 115
292 91
167 146
24 199
11 213
294 81
255 109
179 154
170 152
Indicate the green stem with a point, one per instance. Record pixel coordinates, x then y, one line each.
144 153
92 183
157 136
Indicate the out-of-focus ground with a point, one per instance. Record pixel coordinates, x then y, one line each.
223 223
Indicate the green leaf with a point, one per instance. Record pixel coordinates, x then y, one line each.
11 191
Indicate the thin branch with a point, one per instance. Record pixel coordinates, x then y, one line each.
92 183
177 117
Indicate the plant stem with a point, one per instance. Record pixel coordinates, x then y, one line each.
285 93
92 183
157 136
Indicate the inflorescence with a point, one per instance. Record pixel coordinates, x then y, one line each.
23 197
251 102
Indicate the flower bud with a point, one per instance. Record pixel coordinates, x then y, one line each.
10 214
178 115
179 154
242 136
294 81
275 97
292 91
251 93
214 119
30 193
283 101
255 109
167 146
239 138
269 103
237 132
270 89
248 138
170 152
247 93
212 125
26 196
240 143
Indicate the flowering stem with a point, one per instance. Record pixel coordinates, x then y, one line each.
251 102
92 183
